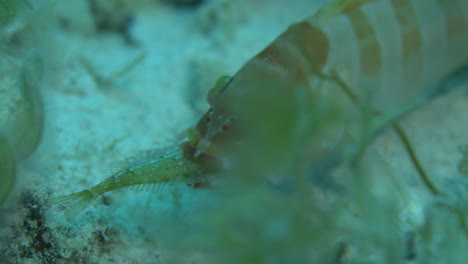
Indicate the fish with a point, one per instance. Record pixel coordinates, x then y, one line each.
322 89
150 167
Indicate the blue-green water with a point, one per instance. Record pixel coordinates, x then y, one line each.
86 84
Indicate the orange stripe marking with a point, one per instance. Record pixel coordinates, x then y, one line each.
369 47
410 33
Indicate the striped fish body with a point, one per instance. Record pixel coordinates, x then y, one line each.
395 47
293 101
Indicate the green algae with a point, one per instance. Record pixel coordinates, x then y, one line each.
21 117
10 8
7 169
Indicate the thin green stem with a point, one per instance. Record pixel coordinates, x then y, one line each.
407 144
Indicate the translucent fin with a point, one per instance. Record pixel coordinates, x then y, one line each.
153 188
74 203
114 167
136 188
139 157
161 187
144 155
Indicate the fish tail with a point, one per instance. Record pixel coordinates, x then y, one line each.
74 203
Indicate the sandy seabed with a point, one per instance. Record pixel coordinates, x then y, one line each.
95 117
